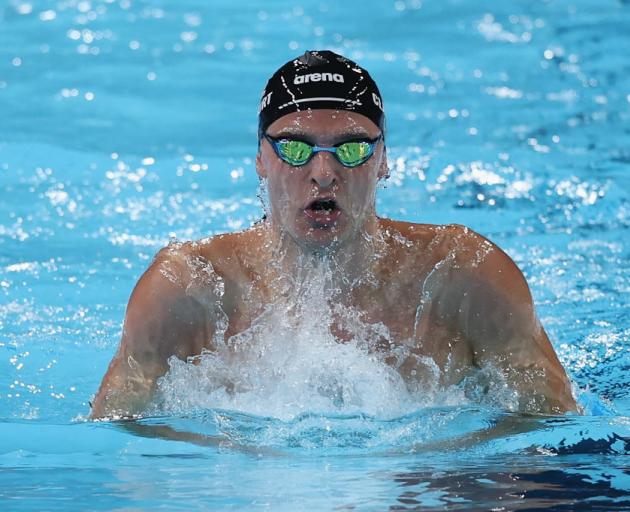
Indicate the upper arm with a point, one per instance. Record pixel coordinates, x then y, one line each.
169 314
493 309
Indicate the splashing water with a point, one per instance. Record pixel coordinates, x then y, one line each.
289 362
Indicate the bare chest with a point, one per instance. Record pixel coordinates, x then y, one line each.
389 320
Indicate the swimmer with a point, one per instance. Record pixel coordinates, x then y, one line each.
443 293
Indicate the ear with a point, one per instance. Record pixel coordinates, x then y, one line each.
383 171
260 168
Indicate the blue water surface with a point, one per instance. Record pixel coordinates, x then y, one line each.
125 124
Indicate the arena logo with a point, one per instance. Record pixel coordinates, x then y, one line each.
318 77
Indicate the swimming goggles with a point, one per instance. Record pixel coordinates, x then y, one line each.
296 152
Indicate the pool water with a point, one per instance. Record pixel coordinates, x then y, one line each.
126 124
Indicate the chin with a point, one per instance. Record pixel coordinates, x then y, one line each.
322 238
311 236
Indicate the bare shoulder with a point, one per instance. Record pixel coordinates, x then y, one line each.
410 241
483 262
409 231
233 255
460 269
182 262
454 247
464 254
176 302
182 269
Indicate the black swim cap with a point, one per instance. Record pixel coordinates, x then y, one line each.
316 80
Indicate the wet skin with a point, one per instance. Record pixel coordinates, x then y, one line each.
443 293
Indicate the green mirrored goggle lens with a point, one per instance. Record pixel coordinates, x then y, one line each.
353 153
295 152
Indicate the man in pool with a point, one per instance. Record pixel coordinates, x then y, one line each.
442 294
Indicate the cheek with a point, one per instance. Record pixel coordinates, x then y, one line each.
281 186
362 189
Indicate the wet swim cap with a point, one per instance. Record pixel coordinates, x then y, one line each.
316 80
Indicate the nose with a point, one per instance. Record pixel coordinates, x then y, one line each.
323 170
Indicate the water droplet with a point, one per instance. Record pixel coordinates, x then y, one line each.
48 15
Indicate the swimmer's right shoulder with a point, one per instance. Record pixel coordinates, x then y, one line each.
233 252
226 254
212 249
178 272
172 263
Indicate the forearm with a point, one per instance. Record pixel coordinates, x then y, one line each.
530 366
541 387
125 391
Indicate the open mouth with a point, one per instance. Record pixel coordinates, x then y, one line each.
325 206
323 211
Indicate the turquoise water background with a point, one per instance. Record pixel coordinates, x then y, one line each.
125 124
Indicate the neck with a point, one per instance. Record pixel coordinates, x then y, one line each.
344 265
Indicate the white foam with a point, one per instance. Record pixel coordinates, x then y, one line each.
288 362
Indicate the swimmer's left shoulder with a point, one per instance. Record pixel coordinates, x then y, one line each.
457 243
433 240
468 245
409 231
413 230
475 255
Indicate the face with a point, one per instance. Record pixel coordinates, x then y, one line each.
322 203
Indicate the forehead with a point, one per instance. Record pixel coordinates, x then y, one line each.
324 123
